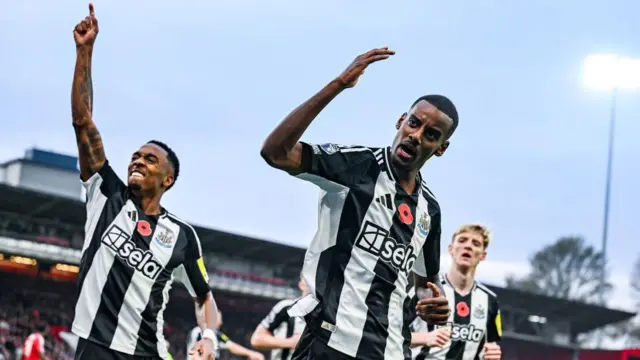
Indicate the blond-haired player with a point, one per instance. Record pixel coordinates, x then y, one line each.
474 324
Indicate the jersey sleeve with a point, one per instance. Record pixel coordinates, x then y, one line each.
494 322
329 164
276 316
103 184
193 272
428 261
223 339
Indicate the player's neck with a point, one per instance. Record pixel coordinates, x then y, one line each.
150 204
462 280
407 179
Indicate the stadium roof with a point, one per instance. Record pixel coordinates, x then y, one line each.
582 317
38 204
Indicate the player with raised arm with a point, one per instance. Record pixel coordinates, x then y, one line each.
133 247
475 325
378 223
278 331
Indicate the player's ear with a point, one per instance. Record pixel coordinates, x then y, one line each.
440 151
450 249
484 256
168 181
400 120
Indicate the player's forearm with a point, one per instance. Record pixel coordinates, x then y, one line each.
237 349
82 88
207 312
286 135
418 339
268 342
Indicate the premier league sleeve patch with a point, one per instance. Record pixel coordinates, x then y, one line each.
329 148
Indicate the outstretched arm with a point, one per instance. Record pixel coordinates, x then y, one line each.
281 149
90 148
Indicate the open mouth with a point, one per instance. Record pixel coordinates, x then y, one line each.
466 255
136 174
407 151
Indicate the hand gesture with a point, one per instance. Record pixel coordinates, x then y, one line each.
438 337
350 76
86 31
202 350
435 309
492 351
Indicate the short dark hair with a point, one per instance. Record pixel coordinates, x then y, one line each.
443 104
172 157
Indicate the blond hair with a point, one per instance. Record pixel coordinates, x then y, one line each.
476 228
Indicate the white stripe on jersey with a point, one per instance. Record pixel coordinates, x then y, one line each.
361 266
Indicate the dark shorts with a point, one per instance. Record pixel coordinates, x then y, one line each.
311 348
87 350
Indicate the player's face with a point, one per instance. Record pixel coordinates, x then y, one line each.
422 133
467 249
149 169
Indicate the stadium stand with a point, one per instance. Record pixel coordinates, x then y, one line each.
41 235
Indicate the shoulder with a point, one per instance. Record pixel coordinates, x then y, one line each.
184 226
485 289
429 196
283 305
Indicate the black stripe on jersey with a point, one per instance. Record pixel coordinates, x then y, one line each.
291 324
457 348
147 338
339 256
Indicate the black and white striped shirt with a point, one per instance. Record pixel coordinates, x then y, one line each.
474 320
281 325
128 263
370 235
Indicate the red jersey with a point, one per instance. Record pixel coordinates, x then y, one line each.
33 348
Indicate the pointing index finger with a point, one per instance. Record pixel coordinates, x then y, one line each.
92 11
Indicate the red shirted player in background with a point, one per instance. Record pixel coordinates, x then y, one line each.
33 348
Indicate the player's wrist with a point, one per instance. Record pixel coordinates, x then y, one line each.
211 335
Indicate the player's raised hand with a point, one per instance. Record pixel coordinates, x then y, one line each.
435 309
492 351
350 76
86 31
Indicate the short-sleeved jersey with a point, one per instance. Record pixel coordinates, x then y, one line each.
195 335
129 260
280 324
371 236
33 347
474 320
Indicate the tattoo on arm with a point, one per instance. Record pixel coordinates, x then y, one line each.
90 148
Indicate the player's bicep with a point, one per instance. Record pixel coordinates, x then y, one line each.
494 325
193 272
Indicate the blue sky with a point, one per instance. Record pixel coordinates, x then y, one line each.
212 78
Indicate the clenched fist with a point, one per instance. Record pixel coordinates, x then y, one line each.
86 31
